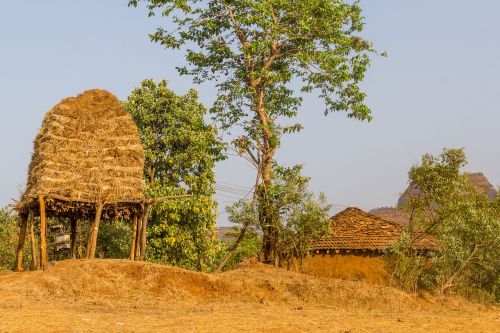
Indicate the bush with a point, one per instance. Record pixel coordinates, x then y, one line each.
404 266
8 239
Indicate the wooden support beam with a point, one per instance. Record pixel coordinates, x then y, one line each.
73 236
144 232
20 244
43 234
137 250
34 258
92 241
134 238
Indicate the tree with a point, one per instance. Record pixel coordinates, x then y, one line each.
180 154
302 218
262 55
465 222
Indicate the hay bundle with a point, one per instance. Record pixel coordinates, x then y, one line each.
89 150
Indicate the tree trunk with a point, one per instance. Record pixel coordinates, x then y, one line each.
266 213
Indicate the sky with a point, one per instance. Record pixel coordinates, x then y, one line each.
438 87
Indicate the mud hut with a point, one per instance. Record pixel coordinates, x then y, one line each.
355 247
87 164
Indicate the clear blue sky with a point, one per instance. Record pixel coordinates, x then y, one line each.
438 88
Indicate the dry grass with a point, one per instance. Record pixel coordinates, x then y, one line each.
89 149
118 295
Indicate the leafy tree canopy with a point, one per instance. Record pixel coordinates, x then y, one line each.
262 56
465 222
302 217
180 154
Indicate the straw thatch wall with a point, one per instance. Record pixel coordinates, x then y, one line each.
89 150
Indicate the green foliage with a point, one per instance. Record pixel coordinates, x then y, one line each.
263 56
301 216
8 239
405 266
180 154
269 43
464 221
115 239
249 247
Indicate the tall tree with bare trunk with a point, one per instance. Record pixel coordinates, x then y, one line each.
263 55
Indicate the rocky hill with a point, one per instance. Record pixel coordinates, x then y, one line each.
478 180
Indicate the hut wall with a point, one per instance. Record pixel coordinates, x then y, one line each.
365 267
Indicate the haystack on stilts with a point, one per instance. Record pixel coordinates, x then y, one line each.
87 165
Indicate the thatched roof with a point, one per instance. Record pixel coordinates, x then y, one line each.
88 149
354 229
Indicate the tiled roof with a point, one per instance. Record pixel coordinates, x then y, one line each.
354 229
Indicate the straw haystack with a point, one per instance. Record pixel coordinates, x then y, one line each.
87 164
88 150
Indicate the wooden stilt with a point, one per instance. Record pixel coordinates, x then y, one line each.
20 244
79 243
92 242
73 236
43 234
34 258
144 232
137 251
134 238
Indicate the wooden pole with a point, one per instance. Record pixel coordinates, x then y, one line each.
79 241
73 236
144 232
134 238
92 242
34 259
137 251
20 244
43 234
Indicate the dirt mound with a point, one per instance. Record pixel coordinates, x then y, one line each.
124 296
255 282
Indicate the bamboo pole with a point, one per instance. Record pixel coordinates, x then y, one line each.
34 259
92 242
43 234
134 238
20 244
144 232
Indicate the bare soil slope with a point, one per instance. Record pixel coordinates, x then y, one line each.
114 295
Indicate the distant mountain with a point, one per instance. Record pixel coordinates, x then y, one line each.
391 214
224 233
478 179
482 185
